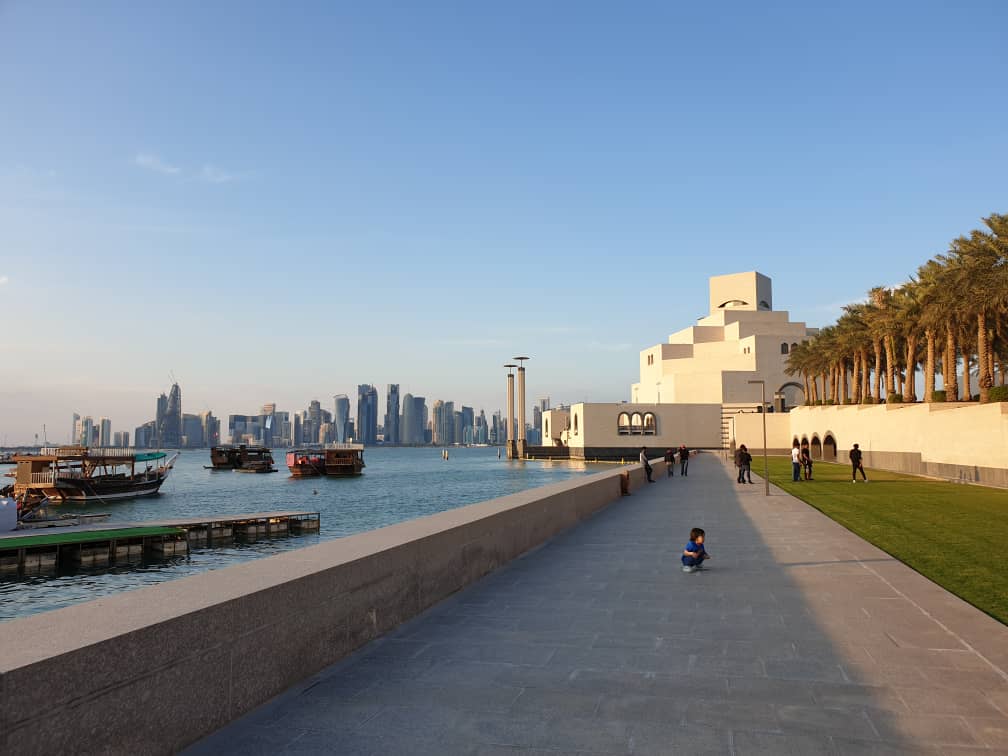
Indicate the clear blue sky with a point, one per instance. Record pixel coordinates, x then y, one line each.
280 202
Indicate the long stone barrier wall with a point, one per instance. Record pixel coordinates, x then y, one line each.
153 670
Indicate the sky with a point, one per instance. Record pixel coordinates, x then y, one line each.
278 202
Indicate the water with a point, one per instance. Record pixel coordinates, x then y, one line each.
397 485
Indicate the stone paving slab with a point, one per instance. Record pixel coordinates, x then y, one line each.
799 638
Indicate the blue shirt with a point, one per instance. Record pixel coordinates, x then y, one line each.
694 547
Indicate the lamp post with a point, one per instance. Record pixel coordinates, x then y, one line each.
510 411
766 463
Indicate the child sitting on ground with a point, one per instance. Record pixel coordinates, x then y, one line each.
694 554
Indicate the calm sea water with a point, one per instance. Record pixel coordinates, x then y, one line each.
398 484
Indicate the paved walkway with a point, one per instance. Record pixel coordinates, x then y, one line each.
799 638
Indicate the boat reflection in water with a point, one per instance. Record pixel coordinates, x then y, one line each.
333 460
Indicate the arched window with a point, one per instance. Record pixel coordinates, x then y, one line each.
623 424
784 348
650 424
733 303
636 424
575 425
794 346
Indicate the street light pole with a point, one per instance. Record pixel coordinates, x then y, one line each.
766 463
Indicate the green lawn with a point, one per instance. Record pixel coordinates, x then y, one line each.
954 534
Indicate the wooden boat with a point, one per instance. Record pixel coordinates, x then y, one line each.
242 458
336 460
83 474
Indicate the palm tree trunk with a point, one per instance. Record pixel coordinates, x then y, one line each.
929 368
842 371
865 375
876 387
808 391
824 384
890 359
909 384
1002 370
949 378
967 389
983 376
856 379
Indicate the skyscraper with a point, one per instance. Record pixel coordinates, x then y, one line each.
192 431
105 432
169 418
75 434
392 414
211 429
87 430
468 421
367 414
341 417
411 430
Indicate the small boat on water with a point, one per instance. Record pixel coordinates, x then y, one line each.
337 460
242 458
83 475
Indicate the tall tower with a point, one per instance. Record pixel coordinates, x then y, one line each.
392 414
510 412
520 450
341 417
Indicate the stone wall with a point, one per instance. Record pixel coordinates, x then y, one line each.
152 670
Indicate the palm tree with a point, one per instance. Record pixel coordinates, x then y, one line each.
909 312
929 280
883 325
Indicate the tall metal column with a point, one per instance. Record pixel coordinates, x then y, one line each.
520 451
510 412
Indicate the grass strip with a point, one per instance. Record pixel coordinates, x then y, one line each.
953 534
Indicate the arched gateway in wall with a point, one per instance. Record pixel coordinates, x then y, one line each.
829 448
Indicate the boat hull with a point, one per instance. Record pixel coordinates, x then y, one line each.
96 489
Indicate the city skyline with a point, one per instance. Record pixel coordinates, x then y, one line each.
279 205
205 429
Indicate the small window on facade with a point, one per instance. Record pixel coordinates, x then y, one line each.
623 424
575 425
793 347
649 424
784 348
636 424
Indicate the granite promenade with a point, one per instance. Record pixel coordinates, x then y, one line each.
799 638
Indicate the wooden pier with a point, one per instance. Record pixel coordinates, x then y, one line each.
31 552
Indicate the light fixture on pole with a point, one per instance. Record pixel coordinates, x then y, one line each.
766 463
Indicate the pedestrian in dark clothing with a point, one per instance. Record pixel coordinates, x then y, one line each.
746 467
806 459
670 463
645 464
740 462
683 459
855 460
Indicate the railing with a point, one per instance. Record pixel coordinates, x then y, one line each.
41 477
342 445
76 451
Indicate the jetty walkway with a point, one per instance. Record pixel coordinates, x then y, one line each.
799 638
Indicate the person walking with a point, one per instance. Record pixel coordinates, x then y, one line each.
669 463
746 467
855 459
796 465
740 462
683 459
645 464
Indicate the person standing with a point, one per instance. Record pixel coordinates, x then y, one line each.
806 459
740 462
746 466
669 463
855 460
645 464
795 462
683 459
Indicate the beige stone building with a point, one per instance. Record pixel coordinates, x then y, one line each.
689 385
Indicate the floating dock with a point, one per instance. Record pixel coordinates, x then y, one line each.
29 552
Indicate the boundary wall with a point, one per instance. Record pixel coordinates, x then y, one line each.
962 441
155 669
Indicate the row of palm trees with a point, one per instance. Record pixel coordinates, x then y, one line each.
953 312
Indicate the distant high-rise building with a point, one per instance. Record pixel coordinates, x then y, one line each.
145 436
351 430
87 431
392 435
211 429
341 417
367 414
536 417
411 430
481 434
169 418
468 421
443 423
297 428
75 434
544 404
192 431
120 439
105 432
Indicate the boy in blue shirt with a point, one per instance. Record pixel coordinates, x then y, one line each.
694 554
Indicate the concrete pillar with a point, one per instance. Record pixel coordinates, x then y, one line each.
520 451
510 417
